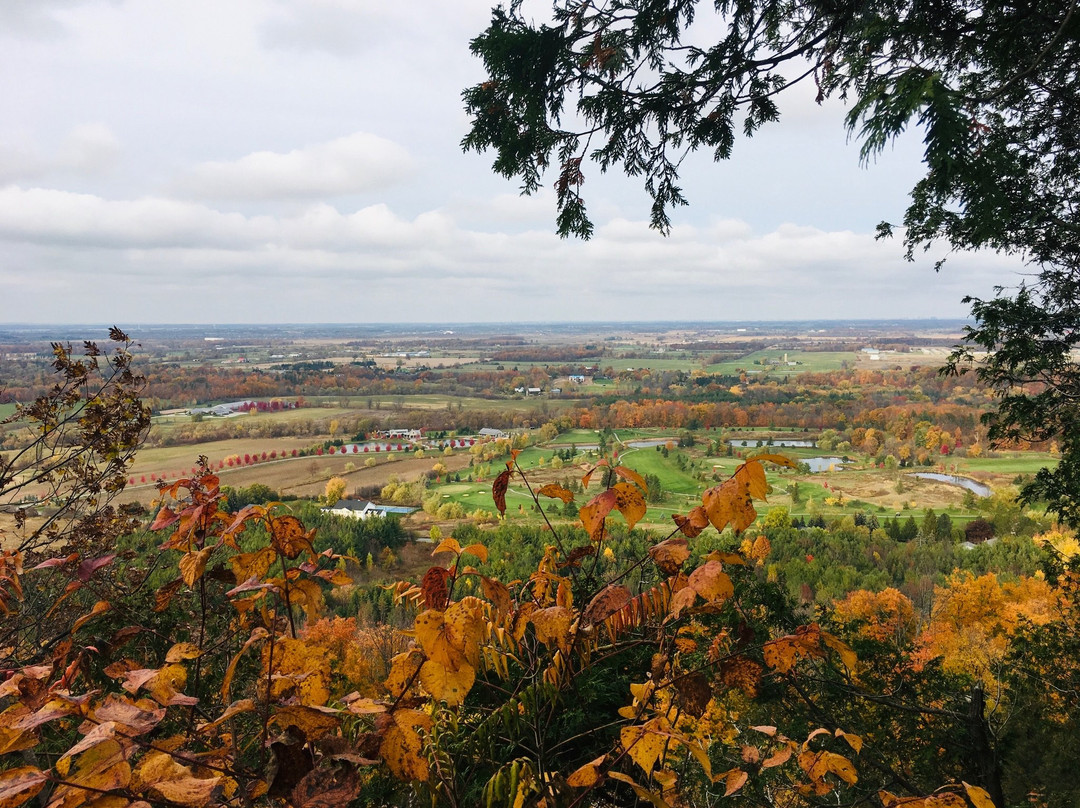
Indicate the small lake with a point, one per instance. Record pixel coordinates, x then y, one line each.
644 443
752 444
976 488
819 464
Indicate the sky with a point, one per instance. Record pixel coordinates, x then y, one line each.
265 161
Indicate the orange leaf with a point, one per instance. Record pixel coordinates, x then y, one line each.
752 475
556 491
289 537
632 476
683 599
778 758
711 582
630 502
99 608
693 523
449 545
478 550
595 512
498 490
734 780
193 565
670 555
778 459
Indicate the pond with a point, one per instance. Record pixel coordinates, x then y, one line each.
819 464
750 444
974 487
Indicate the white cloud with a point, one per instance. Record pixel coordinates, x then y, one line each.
89 150
367 259
360 162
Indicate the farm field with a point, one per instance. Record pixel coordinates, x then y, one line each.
806 362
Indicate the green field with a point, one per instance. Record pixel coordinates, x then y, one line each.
808 362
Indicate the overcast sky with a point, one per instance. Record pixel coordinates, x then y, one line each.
298 161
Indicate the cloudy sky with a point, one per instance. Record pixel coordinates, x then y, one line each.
298 161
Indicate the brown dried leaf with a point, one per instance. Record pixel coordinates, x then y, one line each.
327 787
670 555
694 693
498 490
606 602
435 588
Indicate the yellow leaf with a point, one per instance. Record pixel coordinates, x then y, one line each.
632 476
847 656
18 786
182 651
497 593
587 775
644 746
256 635
193 565
313 722
289 537
402 748
447 685
854 741
252 565
641 791
404 672
978 796
752 475
553 626
563 596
